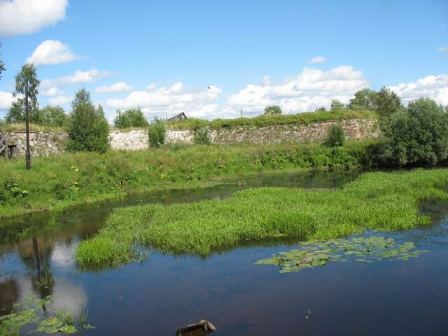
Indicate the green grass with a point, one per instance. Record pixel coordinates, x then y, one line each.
379 201
65 180
304 118
20 127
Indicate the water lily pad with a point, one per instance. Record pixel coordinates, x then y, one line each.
360 249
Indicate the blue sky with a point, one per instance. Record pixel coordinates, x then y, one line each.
210 58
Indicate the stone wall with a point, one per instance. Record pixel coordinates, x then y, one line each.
49 143
129 140
314 132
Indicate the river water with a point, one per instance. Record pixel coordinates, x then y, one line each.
164 292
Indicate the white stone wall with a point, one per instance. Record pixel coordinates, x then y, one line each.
179 136
50 143
129 140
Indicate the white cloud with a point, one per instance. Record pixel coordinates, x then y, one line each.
60 100
114 88
318 60
444 49
434 87
28 16
79 77
310 89
161 101
51 52
50 92
6 99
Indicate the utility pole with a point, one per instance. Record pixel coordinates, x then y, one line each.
27 126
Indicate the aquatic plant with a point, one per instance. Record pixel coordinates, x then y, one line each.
361 249
378 201
47 322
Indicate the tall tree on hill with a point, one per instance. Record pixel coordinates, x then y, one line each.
2 67
27 85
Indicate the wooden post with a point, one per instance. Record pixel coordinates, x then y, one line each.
27 123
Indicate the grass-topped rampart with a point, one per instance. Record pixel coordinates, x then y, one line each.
378 201
304 118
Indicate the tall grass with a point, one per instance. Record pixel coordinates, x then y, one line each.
69 179
304 118
380 201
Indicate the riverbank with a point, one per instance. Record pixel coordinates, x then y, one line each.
62 181
378 201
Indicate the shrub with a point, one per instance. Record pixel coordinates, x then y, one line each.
156 133
335 137
201 136
52 116
88 128
272 109
130 118
416 136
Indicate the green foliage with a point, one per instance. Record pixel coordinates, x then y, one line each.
88 128
360 249
130 118
335 136
201 136
53 116
336 105
379 201
75 178
364 99
277 119
49 322
387 102
156 133
416 136
272 110
16 112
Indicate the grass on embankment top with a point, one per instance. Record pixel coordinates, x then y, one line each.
304 118
382 201
60 181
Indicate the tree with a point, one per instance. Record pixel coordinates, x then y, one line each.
88 128
52 116
413 137
272 110
335 136
336 105
364 100
16 112
130 118
27 85
387 102
156 133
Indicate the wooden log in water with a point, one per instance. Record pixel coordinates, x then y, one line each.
201 328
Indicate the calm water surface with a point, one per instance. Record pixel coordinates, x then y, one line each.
240 298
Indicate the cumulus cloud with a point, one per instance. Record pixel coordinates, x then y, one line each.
50 92
310 89
79 77
114 88
27 16
444 49
318 60
60 100
6 99
161 101
434 87
51 52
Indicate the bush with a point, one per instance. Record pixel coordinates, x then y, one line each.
417 136
88 128
272 109
130 118
335 137
52 116
201 136
156 133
